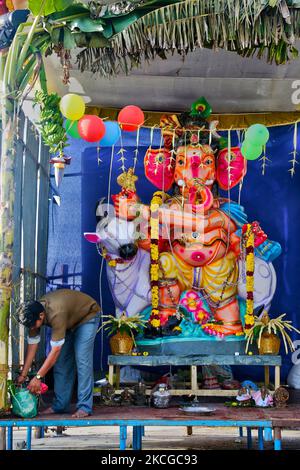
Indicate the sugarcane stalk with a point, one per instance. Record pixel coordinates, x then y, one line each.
31 33
13 68
6 232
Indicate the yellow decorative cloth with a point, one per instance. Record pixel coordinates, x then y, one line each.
172 267
211 278
215 275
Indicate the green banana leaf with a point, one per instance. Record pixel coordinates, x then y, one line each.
108 30
69 40
56 35
119 24
293 3
86 25
73 11
81 39
51 6
147 6
97 40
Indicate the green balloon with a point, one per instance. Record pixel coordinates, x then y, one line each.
251 152
72 129
257 135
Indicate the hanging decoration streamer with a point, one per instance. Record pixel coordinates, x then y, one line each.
136 152
98 156
294 160
122 158
264 160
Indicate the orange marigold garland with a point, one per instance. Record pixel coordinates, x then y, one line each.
10 5
249 240
156 202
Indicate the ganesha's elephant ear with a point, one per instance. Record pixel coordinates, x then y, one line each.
159 168
230 171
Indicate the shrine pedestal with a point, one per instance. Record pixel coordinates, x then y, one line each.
115 362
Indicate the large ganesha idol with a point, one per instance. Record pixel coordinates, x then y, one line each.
195 238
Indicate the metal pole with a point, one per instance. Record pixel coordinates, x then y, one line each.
123 437
9 438
277 439
260 439
249 438
28 446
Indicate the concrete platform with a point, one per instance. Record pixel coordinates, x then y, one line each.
166 420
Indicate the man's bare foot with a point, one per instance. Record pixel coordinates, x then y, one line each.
80 414
47 411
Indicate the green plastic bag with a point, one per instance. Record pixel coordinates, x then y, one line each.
24 403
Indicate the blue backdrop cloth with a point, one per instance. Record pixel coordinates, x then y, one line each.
272 199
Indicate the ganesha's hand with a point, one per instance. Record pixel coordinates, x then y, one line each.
259 235
126 204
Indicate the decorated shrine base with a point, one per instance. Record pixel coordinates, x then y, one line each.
191 346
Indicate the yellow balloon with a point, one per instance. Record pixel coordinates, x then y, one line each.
72 106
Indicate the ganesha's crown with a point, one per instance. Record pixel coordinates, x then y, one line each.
191 127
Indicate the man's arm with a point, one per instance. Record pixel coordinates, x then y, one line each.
31 352
33 340
57 342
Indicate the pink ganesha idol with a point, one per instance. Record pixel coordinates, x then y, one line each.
200 261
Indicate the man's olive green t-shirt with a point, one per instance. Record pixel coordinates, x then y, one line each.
66 309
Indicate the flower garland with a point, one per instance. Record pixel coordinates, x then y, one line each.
156 202
10 5
248 235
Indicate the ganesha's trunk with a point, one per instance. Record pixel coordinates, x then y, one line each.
201 198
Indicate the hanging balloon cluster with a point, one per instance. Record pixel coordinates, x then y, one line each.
92 128
256 138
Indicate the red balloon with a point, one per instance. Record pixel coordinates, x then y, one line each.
131 118
91 128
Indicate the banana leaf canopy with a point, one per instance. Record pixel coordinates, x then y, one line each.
116 36
173 40
144 29
169 48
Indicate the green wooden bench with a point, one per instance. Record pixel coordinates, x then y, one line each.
194 361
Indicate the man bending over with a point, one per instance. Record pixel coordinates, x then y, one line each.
74 319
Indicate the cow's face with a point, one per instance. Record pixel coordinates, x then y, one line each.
116 235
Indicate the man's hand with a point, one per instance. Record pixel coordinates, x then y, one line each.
126 204
35 386
21 379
